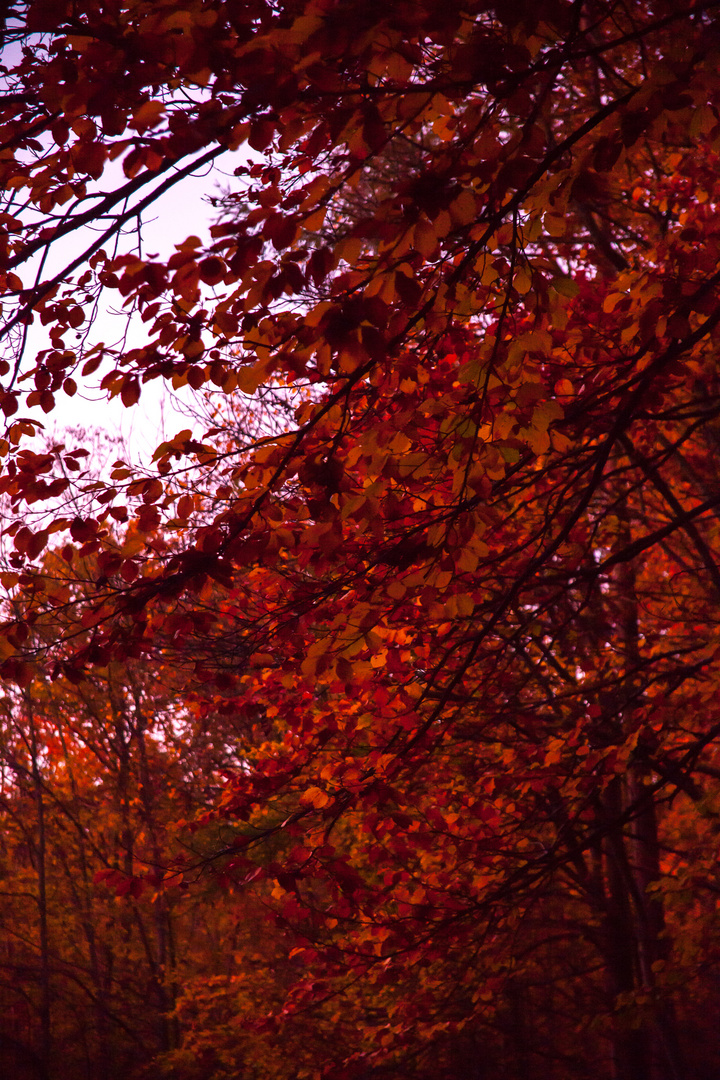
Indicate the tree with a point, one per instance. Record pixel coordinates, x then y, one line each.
94 945
463 584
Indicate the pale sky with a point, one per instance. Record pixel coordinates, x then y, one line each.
178 213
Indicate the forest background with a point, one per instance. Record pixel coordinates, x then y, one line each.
369 725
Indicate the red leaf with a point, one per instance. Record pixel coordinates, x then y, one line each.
9 403
261 134
130 392
212 270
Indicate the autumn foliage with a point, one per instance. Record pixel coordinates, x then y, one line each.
370 727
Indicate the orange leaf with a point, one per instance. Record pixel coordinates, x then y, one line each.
148 115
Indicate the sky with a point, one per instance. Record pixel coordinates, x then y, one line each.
180 212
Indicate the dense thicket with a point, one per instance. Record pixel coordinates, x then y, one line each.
437 583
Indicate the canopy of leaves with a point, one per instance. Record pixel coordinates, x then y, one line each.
450 539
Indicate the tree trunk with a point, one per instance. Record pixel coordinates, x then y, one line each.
45 996
646 1045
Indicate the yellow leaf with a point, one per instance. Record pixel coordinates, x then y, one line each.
315 796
